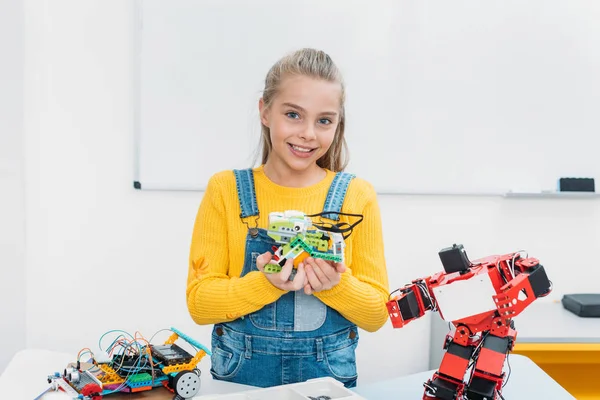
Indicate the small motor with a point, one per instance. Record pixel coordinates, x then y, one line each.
454 259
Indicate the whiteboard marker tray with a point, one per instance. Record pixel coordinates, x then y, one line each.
313 389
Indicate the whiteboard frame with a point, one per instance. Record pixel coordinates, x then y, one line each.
389 190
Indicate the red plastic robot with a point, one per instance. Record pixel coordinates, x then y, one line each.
480 298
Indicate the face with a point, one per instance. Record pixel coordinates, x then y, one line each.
302 119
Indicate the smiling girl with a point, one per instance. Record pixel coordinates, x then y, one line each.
270 329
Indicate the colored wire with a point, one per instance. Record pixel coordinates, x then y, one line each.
512 266
147 348
432 301
43 393
82 352
157 332
194 348
125 345
112 331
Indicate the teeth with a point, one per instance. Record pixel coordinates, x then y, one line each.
301 149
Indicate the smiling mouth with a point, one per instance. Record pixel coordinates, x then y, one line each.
301 149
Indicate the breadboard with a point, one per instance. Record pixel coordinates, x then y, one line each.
314 389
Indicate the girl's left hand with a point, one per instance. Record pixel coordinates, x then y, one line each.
321 274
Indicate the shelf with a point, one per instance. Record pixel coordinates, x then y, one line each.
555 195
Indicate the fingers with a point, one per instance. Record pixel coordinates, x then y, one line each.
263 260
312 275
308 289
286 271
299 280
340 267
324 272
316 277
329 270
313 280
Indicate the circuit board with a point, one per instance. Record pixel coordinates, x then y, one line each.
132 367
170 354
84 379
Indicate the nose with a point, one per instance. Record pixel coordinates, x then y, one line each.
308 133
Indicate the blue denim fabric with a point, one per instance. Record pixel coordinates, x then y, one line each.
336 194
245 188
297 337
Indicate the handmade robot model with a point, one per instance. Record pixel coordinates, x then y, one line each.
480 298
134 365
299 237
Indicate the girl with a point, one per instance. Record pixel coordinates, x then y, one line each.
270 329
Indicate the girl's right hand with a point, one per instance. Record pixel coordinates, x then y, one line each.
281 279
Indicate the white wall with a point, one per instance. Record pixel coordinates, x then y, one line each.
103 256
12 210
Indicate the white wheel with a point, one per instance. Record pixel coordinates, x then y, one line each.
187 384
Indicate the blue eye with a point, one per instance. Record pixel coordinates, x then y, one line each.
292 114
325 121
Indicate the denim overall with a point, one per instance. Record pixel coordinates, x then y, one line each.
297 337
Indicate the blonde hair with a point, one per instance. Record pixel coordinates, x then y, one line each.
315 64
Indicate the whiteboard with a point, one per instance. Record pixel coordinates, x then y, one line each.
442 96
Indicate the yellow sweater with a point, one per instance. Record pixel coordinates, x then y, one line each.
215 291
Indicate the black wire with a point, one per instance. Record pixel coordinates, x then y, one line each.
475 355
390 296
509 370
343 227
503 275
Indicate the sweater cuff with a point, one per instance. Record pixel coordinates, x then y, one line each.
260 291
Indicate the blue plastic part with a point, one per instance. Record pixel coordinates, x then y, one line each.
43 393
192 341
139 384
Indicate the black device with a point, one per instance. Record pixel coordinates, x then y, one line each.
583 304
454 259
170 354
576 185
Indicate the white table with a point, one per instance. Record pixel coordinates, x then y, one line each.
527 381
24 378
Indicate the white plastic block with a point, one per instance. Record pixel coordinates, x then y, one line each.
102 357
314 388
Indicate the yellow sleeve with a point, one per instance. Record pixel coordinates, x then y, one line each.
212 295
363 290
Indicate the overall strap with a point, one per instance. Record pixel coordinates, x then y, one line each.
336 194
244 180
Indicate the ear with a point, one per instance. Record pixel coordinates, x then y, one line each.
264 112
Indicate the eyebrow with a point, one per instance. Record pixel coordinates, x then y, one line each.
297 107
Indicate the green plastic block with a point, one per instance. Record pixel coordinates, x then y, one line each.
272 268
137 378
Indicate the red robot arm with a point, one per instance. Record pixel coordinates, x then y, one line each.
480 299
529 281
412 302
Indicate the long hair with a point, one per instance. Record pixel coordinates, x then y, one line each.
315 64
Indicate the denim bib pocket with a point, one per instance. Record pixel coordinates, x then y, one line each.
226 362
265 318
341 363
